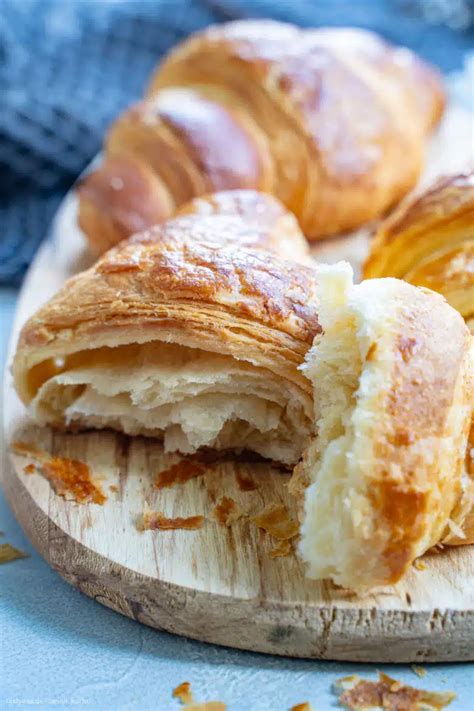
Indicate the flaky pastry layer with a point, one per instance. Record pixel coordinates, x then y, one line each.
188 340
429 241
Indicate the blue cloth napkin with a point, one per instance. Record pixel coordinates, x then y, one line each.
67 67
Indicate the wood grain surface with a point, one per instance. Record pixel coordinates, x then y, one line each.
220 584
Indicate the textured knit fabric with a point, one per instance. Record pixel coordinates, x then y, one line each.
67 67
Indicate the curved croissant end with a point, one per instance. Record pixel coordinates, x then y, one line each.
429 241
319 118
389 474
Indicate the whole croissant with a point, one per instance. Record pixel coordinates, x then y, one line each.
331 121
429 241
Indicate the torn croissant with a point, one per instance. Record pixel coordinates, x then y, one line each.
386 477
198 333
429 241
183 334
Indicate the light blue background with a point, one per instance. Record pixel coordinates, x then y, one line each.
60 649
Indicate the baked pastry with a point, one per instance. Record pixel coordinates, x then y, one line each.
388 475
201 342
181 336
240 218
429 241
318 118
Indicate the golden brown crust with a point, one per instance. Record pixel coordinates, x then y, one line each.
415 483
395 469
121 197
319 118
429 241
208 294
299 81
257 220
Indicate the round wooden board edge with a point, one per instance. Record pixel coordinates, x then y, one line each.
332 633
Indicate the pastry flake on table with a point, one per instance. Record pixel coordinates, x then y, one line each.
185 695
362 694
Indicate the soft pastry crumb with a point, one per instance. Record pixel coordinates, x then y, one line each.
387 693
305 706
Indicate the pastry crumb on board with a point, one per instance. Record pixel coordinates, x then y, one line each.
227 511
276 520
157 521
419 564
360 694
244 481
69 478
179 473
305 706
184 694
282 548
72 479
29 450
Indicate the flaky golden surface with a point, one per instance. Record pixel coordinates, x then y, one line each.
318 118
429 241
256 220
180 336
390 475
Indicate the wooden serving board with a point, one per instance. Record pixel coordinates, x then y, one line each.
220 584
